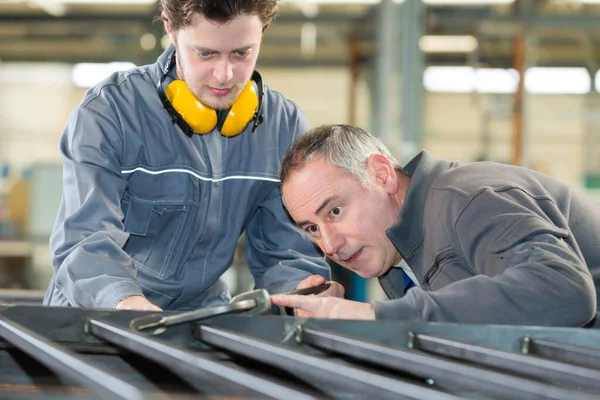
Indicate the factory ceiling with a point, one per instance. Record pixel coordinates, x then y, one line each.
557 33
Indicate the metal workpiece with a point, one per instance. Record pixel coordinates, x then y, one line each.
568 353
441 371
67 364
549 371
314 368
266 356
190 364
254 302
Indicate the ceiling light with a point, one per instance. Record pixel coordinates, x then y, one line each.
124 2
53 7
466 2
308 39
165 41
335 1
448 44
148 41
433 2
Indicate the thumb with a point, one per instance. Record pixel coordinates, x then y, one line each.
312 280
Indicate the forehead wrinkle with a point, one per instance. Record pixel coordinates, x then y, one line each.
304 206
312 197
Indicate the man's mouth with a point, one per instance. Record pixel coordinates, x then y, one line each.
220 92
353 257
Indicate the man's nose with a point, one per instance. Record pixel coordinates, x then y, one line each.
223 71
332 241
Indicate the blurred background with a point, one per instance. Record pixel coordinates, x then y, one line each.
511 81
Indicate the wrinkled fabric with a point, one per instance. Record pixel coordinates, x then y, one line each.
493 243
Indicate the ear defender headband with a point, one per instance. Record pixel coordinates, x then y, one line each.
192 116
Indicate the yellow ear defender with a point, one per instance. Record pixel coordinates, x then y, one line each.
192 116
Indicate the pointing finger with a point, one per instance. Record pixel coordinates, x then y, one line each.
306 303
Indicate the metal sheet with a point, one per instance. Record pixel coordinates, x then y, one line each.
188 363
315 368
67 364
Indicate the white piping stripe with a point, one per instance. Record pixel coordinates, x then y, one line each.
164 171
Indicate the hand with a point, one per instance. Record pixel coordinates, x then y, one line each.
325 307
136 302
335 290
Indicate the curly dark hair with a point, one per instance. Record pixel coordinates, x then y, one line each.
180 12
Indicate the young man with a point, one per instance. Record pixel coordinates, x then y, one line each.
449 242
166 165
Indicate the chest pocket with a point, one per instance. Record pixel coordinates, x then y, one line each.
446 269
158 225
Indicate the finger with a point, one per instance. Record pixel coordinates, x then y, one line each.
307 303
303 314
312 280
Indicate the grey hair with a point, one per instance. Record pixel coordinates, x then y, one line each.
343 146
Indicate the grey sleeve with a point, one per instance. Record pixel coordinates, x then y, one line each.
91 269
526 273
277 253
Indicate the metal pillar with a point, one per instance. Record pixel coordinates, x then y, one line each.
384 69
412 64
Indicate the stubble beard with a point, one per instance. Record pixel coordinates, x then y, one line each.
196 91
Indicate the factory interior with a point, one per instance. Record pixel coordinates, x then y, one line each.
516 82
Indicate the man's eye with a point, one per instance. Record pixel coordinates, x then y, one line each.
312 229
205 54
241 54
335 211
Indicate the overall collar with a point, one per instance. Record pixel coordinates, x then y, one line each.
407 233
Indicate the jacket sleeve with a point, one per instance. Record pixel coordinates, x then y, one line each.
278 254
527 269
91 269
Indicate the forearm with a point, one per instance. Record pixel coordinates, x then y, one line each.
95 272
551 293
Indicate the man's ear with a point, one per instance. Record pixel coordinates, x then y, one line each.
382 172
167 26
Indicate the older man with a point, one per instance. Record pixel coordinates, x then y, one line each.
449 242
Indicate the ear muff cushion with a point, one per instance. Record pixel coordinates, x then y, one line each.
241 112
200 118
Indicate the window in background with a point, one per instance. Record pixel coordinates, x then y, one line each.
449 79
468 79
538 80
86 75
557 80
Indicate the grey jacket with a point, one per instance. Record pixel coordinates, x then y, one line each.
493 243
147 210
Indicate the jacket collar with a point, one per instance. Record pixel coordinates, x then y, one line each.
407 233
163 61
